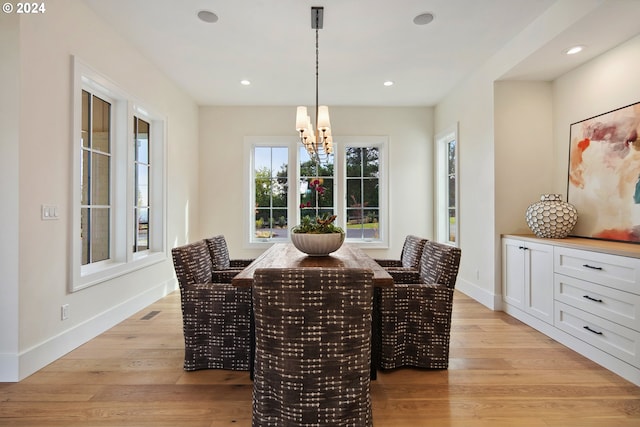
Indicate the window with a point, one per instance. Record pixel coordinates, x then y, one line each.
95 181
271 192
119 214
365 190
142 169
351 184
447 213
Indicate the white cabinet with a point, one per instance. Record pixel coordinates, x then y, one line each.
527 272
583 293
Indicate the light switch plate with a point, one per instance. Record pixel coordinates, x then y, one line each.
49 212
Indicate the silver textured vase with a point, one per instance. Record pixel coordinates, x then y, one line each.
551 217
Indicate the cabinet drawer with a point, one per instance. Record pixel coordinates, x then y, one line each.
618 272
610 337
611 304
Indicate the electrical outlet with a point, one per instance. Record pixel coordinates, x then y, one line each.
64 311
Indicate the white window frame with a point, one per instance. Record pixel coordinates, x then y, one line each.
381 143
250 143
123 260
293 144
442 141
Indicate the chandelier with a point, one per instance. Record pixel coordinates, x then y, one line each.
318 142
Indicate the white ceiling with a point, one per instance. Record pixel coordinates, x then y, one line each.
363 43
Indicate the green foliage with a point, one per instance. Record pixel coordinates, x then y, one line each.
319 225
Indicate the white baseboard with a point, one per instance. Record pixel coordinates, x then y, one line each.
37 357
484 297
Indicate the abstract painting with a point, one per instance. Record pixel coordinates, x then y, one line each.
604 175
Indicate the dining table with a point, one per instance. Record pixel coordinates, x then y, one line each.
286 255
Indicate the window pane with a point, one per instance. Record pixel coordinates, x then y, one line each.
142 141
371 163
452 191
84 235
280 223
262 223
101 125
354 161
142 229
99 234
370 189
279 192
84 130
263 192
325 169
324 192
279 161
262 159
308 169
452 225
355 224
100 170
142 185
371 217
84 174
451 157
354 192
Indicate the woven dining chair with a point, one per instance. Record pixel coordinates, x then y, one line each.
313 347
224 268
416 312
409 257
216 317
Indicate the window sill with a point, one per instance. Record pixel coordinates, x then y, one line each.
94 274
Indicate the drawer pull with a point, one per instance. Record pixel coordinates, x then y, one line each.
591 330
591 267
591 298
523 247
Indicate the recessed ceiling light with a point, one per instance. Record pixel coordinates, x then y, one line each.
388 83
207 16
573 50
423 18
245 82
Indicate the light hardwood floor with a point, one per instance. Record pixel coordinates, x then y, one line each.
502 374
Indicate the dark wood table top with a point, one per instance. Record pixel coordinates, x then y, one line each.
285 255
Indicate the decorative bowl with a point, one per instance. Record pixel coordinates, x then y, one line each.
317 244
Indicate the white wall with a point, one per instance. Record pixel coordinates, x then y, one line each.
605 83
9 213
486 193
46 43
524 150
222 132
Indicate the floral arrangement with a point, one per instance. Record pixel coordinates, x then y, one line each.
321 225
